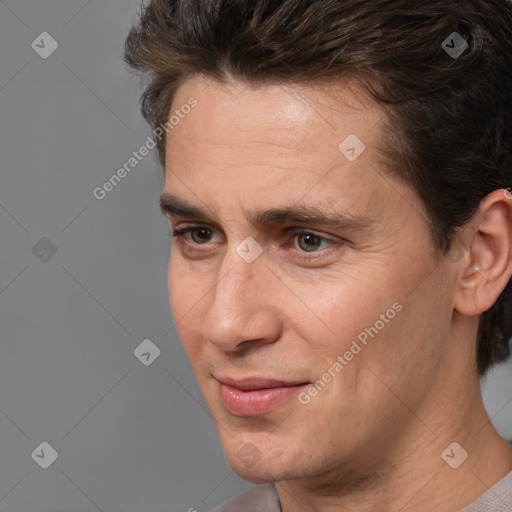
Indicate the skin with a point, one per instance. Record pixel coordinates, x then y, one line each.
372 438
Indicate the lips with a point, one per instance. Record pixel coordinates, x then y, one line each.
256 396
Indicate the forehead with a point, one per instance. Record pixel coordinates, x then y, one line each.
290 116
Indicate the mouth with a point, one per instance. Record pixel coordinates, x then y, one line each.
256 396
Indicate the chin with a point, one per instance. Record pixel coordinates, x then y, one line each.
260 473
261 467
253 476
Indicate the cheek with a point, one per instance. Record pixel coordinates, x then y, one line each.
184 287
367 320
340 310
175 287
185 292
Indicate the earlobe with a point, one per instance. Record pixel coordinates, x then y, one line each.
488 267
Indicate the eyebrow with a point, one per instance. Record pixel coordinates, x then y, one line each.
171 204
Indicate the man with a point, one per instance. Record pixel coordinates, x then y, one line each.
337 177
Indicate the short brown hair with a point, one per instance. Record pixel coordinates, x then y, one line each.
449 117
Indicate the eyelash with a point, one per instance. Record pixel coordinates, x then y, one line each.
178 235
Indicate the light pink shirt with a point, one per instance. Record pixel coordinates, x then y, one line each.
264 498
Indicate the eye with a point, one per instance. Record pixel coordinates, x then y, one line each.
310 242
307 245
203 234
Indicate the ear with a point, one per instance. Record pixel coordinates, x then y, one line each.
487 266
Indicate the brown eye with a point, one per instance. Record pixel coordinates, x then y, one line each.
204 235
198 234
311 241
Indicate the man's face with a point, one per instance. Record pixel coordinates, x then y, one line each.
265 307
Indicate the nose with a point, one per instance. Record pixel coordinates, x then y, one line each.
243 312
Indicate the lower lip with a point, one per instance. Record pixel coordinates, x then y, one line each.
256 402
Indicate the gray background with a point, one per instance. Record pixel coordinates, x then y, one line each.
129 437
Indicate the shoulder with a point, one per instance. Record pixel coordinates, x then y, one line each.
260 498
497 499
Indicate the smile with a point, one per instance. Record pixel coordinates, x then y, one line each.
256 397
